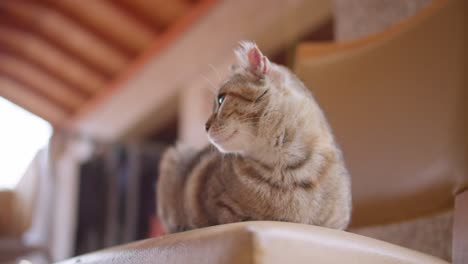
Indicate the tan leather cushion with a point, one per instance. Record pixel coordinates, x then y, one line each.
26 193
259 242
17 205
7 212
430 234
397 102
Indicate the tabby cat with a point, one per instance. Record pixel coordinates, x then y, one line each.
273 157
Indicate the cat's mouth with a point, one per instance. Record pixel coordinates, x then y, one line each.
222 138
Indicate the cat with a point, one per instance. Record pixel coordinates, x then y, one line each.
272 157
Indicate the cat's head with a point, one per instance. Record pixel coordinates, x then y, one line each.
246 100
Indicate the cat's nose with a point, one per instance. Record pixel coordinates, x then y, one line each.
208 125
209 122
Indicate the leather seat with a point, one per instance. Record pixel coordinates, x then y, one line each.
258 242
397 102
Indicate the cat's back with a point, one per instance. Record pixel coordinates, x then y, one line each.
175 167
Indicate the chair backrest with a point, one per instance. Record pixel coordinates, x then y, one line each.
397 102
258 242
27 194
7 215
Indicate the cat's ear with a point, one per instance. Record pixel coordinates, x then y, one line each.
252 59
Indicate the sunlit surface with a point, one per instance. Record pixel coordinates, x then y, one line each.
21 135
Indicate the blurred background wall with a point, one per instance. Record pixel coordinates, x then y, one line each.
359 18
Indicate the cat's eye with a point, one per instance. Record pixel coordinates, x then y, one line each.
221 99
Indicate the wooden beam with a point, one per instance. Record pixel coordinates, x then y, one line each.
173 69
160 13
138 65
107 19
35 49
67 34
46 85
22 96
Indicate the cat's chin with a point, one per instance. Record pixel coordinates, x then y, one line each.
219 146
224 143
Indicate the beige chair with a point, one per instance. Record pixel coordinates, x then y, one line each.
17 204
21 228
396 102
259 243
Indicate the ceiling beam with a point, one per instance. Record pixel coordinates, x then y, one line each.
66 68
162 73
23 97
38 80
160 13
109 20
67 34
157 47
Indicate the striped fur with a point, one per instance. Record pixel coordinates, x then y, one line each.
273 157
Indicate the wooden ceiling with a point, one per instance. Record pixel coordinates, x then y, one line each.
58 57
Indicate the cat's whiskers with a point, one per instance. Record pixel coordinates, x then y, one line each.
214 90
215 71
220 130
248 119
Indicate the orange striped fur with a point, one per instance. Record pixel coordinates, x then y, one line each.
273 157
